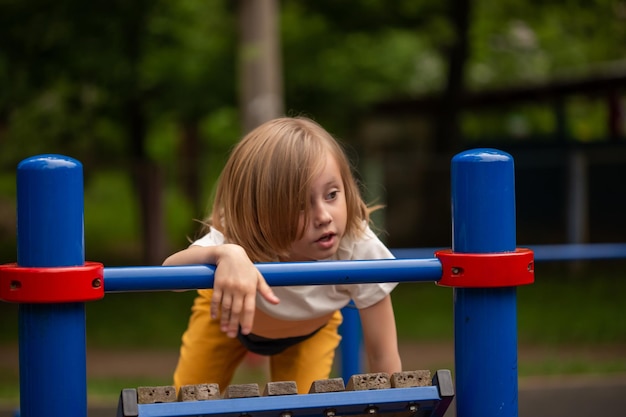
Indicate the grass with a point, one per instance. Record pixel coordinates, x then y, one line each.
138 320
560 308
557 366
559 311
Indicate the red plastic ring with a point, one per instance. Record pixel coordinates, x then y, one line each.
486 270
53 284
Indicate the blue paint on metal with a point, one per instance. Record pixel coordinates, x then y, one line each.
50 212
351 349
394 400
51 336
485 320
542 253
483 202
161 278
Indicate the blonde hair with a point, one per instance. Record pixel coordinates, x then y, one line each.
265 184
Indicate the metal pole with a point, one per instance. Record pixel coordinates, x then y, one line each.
485 319
351 347
51 336
159 278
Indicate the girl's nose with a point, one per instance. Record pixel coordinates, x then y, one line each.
321 216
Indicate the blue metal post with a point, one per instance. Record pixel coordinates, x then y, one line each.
485 319
51 336
351 342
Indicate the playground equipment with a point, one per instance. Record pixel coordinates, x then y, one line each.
365 394
51 281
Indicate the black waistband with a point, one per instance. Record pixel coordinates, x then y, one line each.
265 346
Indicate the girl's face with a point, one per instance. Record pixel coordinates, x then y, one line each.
327 216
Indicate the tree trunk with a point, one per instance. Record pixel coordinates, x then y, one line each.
145 173
260 63
188 164
148 183
448 133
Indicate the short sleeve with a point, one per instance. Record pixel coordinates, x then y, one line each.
366 248
213 238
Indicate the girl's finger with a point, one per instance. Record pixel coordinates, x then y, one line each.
266 291
247 314
235 313
226 303
216 301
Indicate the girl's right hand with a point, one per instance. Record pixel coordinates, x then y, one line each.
236 283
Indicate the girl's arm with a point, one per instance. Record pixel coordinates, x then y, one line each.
380 338
235 284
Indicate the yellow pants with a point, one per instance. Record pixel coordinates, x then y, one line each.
207 355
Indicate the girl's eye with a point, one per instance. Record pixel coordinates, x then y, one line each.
332 195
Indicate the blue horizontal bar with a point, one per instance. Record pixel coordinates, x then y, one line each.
164 278
412 265
393 400
561 252
574 252
411 253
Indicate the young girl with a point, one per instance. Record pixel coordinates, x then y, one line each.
286 194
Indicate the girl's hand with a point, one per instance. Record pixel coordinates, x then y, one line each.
236 283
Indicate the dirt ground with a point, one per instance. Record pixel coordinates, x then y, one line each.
160 364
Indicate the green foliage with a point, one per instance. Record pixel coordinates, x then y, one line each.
423 312
70 70
562 308
139 320
559 309
336 67
514 41
110 210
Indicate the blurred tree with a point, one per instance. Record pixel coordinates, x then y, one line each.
153 85
340 57
260 62
84 78
518 41
456 54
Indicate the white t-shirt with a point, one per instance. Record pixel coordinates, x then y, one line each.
311 301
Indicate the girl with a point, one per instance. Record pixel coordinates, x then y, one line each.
286 194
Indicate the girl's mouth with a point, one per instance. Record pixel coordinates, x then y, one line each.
326 241
326 237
